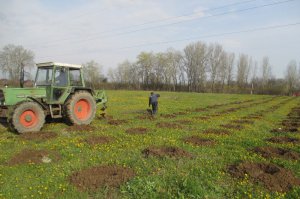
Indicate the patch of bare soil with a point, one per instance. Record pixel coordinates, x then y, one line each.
215 114
95 140
27 156
199 110
116 122
180 113
184 122
198 141
165 151
232 126
168 115
273 177
282 140
145 117
252 117
284 130
291 123
168 125
243 121
203 118
269 152
91 179
83 128
137 131
214 106
42 135
216 131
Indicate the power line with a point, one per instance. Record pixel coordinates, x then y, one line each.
175 23
166 19
214 35
200 37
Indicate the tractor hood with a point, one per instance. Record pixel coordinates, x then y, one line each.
11 96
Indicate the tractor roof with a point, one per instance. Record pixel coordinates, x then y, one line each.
58 64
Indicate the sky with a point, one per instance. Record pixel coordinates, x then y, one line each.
111 31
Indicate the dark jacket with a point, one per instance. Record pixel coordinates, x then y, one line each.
153 98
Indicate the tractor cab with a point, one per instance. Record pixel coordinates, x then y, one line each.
58 79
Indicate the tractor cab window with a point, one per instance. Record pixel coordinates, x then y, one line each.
44 77
61 77
75 79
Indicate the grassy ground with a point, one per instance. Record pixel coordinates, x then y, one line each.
203 176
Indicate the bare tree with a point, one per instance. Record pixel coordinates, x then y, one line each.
243 70
14 59
145 62
291 76
92 73
230 67
195 62
174 63
266 72
214 63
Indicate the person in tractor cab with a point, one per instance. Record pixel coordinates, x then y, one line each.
61 78
153 100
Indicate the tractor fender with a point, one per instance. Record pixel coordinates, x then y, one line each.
37 101
74 89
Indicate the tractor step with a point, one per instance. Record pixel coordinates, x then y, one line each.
55 110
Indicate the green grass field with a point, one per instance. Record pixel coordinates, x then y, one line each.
203 175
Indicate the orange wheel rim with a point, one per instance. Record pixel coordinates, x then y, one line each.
28 118
82 109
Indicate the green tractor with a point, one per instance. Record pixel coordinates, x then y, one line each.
59 92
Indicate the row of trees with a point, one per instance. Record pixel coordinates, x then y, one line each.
200 67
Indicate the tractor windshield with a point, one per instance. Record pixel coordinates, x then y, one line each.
44 76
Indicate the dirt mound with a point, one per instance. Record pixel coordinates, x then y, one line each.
168 125
83 128
198 141
215 114
168 115
180 113
204 118
136 131
243 122
232 126
94 140
274 178
282 140
269 152
166 151
216 131
145 117
91 179
284 130
34 156
184 122
291 123
42 135
252 117
116 122
199 110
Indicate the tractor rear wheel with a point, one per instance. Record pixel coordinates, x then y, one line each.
80 108
28 117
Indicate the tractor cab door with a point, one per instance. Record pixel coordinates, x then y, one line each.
60 85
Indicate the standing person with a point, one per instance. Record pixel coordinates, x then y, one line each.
153 100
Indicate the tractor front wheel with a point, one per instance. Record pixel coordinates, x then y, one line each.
28 117
80 108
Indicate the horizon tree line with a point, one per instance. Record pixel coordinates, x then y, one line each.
199 67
